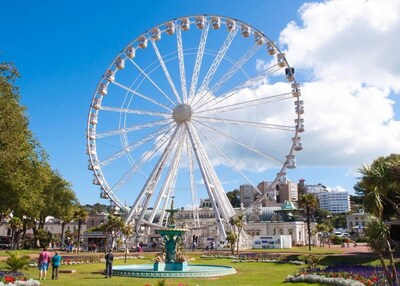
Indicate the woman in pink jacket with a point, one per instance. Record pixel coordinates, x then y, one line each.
43 263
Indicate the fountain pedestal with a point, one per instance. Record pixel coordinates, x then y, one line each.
170 266
170 236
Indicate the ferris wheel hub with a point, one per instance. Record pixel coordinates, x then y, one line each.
182 113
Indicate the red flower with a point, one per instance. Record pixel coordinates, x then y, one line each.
9 279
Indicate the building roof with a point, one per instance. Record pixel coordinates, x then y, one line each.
288 206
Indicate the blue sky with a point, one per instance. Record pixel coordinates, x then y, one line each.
346 55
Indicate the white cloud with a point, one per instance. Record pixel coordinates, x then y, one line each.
346 54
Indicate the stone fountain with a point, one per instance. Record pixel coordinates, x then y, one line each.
172 258
171 263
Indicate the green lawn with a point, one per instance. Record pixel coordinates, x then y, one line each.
249 273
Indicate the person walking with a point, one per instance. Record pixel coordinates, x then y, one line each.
55 264
43 263
109 262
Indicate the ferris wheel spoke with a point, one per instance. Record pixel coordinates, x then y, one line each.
130 148
132 128
249 83
232 71
245 123
141 95
244 145
217 60
136 167
244 104
135 111
152 82
193 188
164 67
169 181
143 199
199 59
210 176
233 165
181 62
210 179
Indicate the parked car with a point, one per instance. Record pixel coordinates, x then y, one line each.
5 242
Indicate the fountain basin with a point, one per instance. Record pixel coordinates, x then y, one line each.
192 270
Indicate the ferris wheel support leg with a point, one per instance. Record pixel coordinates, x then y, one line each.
169 181
148 189
214 188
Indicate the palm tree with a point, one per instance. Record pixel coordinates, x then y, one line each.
378 235
310 203
81 215
16 225
127 230
231 238
15 262
237 222
66 218
380 183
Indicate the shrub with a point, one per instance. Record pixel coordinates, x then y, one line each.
15 262
337 239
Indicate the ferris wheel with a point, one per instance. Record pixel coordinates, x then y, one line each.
190 109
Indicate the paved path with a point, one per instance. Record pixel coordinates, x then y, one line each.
361 248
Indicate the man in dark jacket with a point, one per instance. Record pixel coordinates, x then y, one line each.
109 262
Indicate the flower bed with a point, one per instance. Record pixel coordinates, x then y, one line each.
16 278
341 274
314 278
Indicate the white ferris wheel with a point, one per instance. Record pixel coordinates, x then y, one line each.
193 108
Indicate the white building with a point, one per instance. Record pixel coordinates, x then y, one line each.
356 221
335 201
272 241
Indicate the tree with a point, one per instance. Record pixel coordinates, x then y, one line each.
16 225
58 198
378 236
15 262
339 221
231 238
322 215
127 231
112 228
80 215
44 237
23 163
237 223
309 202
66 217
233 198
380 185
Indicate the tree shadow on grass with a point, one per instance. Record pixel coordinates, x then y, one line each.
360 258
